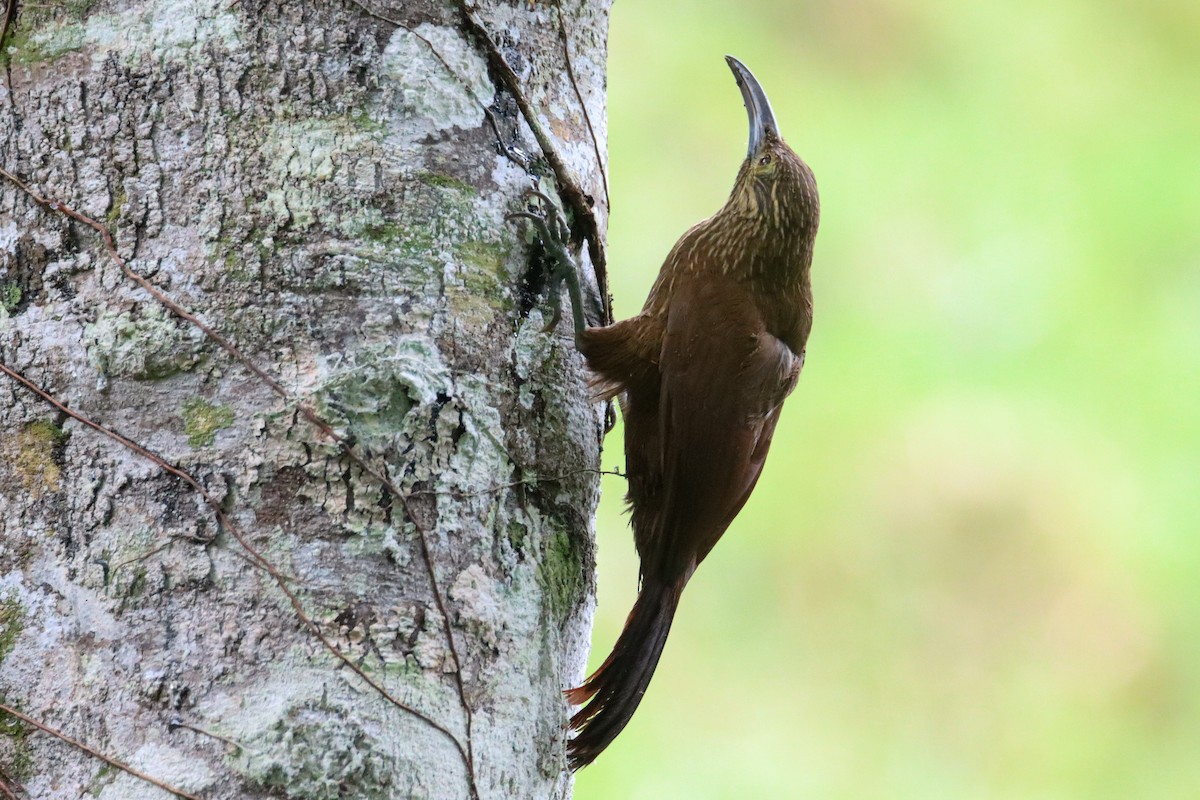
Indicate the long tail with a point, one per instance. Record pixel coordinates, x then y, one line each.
617 687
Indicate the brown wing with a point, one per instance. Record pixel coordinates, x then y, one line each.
723 378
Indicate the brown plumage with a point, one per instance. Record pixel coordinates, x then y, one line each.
701 374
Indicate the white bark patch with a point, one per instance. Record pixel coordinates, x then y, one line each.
476 593
9 233
304 157
430 100
165 30
168 764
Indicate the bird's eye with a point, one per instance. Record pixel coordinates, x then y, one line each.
764 160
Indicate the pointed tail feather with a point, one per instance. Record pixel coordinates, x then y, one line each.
616 688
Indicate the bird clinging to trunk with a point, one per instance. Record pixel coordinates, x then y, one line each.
701 373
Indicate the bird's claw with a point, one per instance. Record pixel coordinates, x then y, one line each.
546 218
555 314
555 236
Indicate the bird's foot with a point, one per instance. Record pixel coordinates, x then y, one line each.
552 229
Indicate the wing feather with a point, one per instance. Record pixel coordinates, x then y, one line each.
723 379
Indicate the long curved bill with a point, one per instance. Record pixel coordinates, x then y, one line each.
758 107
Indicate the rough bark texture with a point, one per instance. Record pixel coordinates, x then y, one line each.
317 186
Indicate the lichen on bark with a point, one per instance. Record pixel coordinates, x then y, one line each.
314 184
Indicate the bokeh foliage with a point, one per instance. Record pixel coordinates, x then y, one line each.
971 567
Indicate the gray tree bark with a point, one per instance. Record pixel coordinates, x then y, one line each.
321 187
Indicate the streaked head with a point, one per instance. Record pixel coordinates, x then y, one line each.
774 183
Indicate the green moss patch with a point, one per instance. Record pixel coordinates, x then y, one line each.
202 420
39 447
12 621
560 574
38 45
14 751
10 296
445 182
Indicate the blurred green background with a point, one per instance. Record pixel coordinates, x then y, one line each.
971 568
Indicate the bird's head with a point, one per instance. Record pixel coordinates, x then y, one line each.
775 189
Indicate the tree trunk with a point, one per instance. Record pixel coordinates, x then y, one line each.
380 580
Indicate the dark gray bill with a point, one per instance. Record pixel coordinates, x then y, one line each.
758 107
